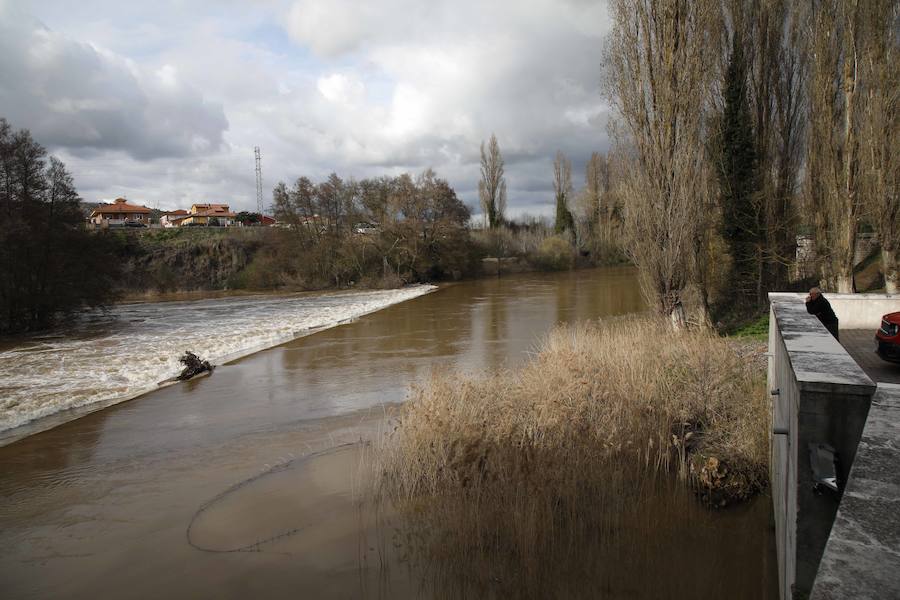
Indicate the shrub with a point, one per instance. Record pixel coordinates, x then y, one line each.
554 254
505 478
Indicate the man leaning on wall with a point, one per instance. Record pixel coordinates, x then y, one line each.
817 305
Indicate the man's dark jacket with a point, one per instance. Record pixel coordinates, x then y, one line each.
822 309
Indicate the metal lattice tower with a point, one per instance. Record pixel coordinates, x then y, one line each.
259 194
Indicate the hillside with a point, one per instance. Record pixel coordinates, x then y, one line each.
185 259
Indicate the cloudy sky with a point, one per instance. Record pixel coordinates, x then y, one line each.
164 101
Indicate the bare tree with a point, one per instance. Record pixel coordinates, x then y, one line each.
835 113
492 186
880 133
658 81
597 184
771 32
780 166
562 190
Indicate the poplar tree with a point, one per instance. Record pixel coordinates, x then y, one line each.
658 81
738 182
836 36
562 188
492 187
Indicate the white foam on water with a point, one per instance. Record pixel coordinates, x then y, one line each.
139 346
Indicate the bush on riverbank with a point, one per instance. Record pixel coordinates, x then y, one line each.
554 254
520 467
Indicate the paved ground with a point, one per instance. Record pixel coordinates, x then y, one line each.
860 344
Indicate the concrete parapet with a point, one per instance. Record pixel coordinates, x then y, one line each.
862 557
854 311
819 396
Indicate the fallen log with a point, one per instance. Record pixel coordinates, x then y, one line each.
193 366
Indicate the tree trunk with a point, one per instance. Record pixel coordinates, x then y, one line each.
889 267
844 283
704 320
676 317
846 256
673 309
851 167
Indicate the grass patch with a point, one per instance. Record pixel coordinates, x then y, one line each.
511 480
757 328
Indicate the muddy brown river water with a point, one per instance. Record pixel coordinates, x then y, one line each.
242 485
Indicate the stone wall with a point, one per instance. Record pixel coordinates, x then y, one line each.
805 263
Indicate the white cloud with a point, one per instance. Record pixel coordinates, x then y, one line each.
168 75
330 28
342 89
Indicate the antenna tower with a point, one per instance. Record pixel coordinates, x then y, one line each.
259 194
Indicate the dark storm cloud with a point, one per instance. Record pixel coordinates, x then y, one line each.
72 95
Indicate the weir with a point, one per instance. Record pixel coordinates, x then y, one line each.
835 460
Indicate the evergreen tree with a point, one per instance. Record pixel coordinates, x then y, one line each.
562 188
738 183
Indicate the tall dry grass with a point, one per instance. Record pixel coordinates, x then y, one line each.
511 481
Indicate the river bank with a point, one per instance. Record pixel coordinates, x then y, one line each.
489 267
153 264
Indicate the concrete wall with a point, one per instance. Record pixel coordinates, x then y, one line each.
805 263
862 556
854 311
822 397
783 463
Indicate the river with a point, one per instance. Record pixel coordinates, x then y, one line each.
107 356
148 497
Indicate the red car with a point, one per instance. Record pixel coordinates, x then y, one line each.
888 337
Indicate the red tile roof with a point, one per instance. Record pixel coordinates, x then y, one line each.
120 206
211 210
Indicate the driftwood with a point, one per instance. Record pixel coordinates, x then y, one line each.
193 366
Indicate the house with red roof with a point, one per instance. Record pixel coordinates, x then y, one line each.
208 215
118 213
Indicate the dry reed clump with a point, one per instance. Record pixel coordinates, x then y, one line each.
522 467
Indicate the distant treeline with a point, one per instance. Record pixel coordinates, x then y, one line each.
388 231
378 231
